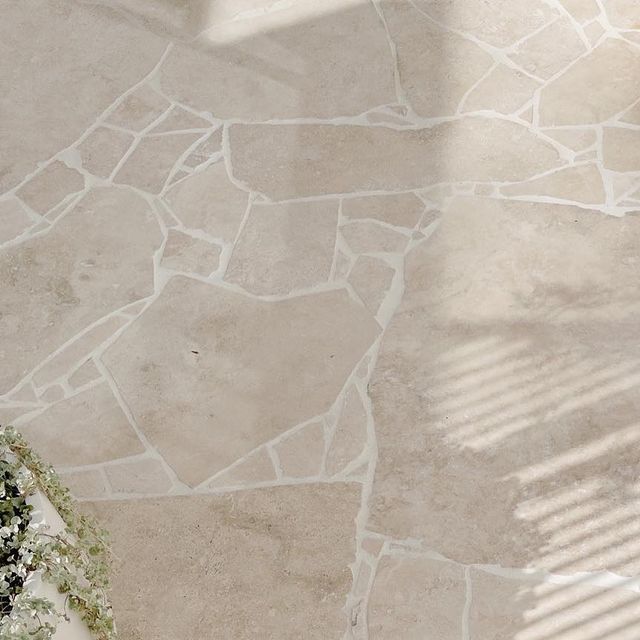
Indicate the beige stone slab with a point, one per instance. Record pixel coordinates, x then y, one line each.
209 201
139 109
296 62
81 61
505 393
401 209
255 468
192 255
371 279
632 115
94 260
85 373
575 139
581 183
621 149
301 453
500 23
151 162
180 119
277 560
14 220
284 247
71 356
415 598
623 14
594 32
84 484
87 428
530 609
52 394
613 67
551 50
582 10
49 187
369 237
138 476
102 149
210 375
287 161
350 436
504 90
423 49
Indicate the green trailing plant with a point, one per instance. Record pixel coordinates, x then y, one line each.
76 560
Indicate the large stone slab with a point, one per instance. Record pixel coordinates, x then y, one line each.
300 61
505 397
98 258
65 93
288 161
210 375
613 67
274 563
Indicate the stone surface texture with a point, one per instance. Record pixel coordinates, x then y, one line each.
342 296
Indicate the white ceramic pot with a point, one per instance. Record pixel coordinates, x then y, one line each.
75 629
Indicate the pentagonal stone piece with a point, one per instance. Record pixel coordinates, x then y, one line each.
210 375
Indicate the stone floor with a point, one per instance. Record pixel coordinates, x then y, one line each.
330 310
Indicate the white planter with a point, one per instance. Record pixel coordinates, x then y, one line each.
75 629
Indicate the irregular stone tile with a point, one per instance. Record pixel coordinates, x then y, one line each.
286 550
186 253
297 160
582 183
594 32
14 220
582 10
550 50
350 436
372 546
421 48
371 279
209 201
256 467
138 476
101 57
622 183
622 14
504 90
53 394
139 109
301 453
151 162
84 484
507 383
506 608
85 429
180 119
85 373
500 23
71 356
93 261
284 247
296 62
206 149
621 149
384 117
575 139
102 149
235 357
415 598
25 393
49 187
613 66
369 237
10 414
401 209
